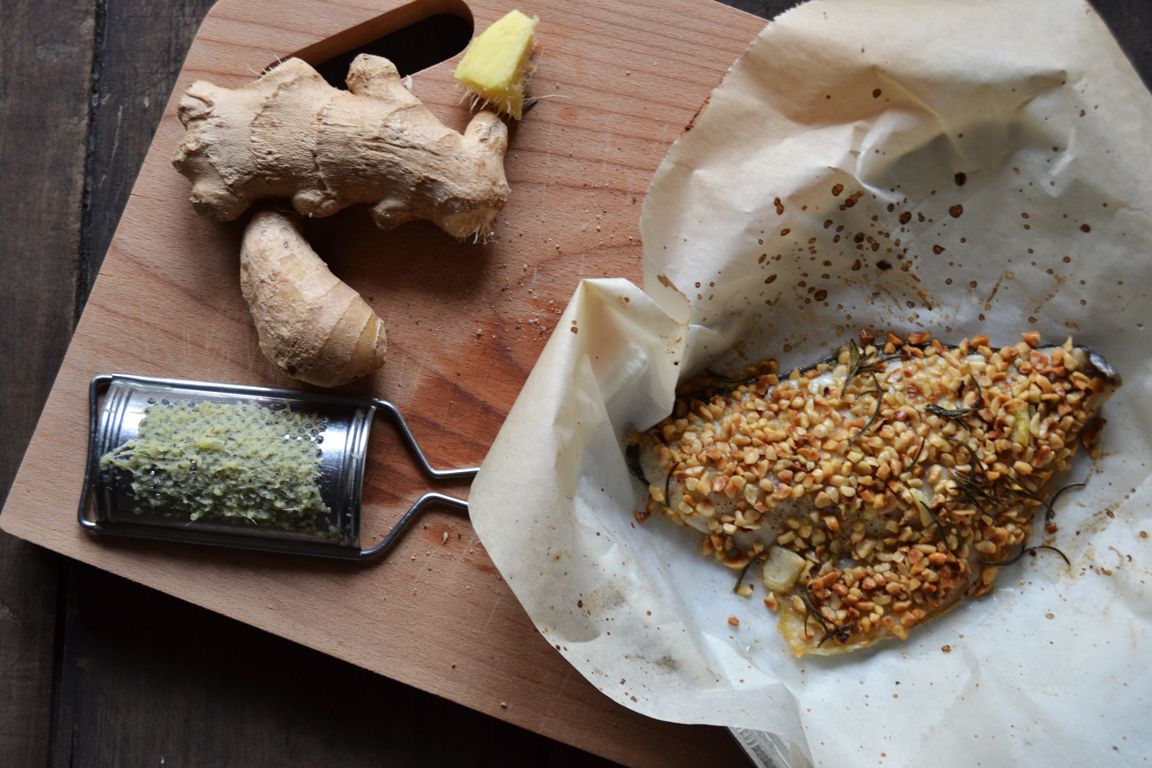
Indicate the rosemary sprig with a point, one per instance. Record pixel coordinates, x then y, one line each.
961 444
744 571
931 514
878 393
812 613
1055 496
1026 551
858 363
962 410
968 483
1050 504
948 413
711 383
969 486
730 381
936 521
840 634
916 459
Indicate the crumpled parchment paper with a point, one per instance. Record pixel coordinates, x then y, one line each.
957 167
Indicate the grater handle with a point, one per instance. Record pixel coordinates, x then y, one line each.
429 498
410 440
432 497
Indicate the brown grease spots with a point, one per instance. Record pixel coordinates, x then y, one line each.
837 189
876 93
770 279
956 211
779 206
785 231
820 295
1085 228
961 179
905 217
937 249
884 265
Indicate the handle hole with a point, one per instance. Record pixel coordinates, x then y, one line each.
413 37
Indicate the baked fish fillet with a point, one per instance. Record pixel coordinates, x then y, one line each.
878 488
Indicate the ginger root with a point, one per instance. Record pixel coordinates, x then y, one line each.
311 325
289 134
495 67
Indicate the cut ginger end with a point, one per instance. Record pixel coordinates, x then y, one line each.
495 66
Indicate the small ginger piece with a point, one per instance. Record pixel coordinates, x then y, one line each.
313 326
496 65
289 134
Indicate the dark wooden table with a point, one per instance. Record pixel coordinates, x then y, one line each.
95 670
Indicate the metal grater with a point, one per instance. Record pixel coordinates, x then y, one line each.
117 406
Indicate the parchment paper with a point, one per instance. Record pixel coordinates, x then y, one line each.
957 167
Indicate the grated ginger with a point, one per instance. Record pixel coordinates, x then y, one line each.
226 462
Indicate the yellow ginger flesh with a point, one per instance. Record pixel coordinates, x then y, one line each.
496 64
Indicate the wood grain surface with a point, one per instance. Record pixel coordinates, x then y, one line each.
98 670
41 191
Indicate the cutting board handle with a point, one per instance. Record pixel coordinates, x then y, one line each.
328 30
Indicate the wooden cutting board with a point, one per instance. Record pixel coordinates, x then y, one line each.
619 82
